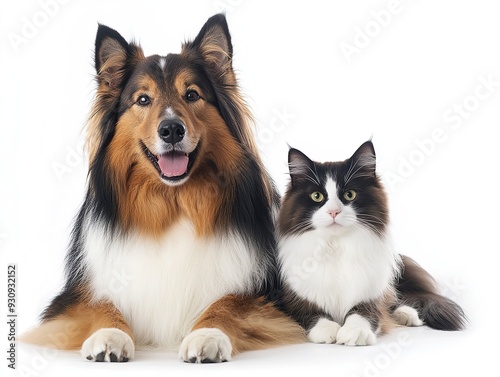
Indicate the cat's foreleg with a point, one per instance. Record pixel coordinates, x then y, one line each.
324 330
360 326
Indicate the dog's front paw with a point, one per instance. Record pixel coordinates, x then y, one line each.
112 345
206 345
356 331
324 331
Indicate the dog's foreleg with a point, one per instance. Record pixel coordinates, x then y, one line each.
99 330
238 323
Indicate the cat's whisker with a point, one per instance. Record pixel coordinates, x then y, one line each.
303 169
300 226
372 225
357 176
350 174
311 179
347 175
371 218
315 179
362 162
363 224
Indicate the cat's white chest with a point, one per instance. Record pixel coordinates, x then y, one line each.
162 286
337 273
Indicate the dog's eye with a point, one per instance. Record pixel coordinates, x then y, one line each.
192 95
143 100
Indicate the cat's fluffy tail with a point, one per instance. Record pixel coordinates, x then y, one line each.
417 289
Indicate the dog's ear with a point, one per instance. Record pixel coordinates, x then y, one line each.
114 58
214 44
213 47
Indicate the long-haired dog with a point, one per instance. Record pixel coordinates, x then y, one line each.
174 245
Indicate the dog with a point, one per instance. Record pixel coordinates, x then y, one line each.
174 245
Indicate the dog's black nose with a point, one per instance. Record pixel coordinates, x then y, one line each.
172 130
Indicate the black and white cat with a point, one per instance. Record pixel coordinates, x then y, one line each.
342 277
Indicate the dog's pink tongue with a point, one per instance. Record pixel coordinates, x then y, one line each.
173 164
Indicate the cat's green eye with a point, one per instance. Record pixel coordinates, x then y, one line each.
317 197
350 195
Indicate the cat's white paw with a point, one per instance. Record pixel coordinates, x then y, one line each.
109 344
206 345
407 316
356 331
324 331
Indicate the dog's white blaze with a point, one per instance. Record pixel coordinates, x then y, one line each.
162 63
162 287
169 112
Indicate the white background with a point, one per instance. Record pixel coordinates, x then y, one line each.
419 63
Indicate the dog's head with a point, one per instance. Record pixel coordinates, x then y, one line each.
171 113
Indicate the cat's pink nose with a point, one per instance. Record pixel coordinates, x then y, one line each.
333 212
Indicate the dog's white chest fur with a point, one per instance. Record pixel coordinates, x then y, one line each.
162 287
336 273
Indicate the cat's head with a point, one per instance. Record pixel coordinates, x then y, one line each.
334 196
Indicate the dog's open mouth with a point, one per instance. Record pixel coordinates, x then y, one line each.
173 165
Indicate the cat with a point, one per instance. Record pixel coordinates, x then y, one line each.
343 280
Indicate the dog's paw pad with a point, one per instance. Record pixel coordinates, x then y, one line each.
206 345
108 345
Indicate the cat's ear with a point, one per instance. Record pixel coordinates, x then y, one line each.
364 159
300 166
